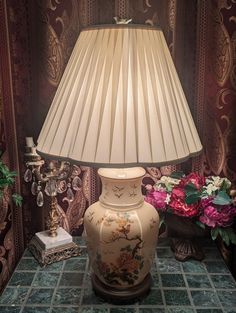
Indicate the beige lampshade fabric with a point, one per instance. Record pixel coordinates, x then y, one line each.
120 102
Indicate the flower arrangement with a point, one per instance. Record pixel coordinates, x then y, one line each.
205 200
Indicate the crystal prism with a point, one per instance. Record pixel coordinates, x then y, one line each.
40 199
76 183
28 175
70 194
34 188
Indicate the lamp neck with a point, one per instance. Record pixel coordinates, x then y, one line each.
121 193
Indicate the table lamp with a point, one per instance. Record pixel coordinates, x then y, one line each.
119 106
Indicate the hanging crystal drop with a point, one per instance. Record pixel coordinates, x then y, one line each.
34 188
28 175
76 183
40 199
51 188
61 186
70 194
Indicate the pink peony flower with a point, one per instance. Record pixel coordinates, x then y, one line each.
218 217
157 198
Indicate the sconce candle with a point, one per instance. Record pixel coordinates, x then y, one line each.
29 142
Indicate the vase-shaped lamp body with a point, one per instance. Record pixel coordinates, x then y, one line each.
122 231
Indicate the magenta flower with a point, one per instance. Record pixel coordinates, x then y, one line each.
218 217
157 198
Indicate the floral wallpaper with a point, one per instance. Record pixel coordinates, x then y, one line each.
220 90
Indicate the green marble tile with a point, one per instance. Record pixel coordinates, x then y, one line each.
80 241
230 310
205 298
45 279
227 298
28 254
90 298
151 310
35 309
155 280
21 279
28 264
223 281
10 309
209 311
216 267
164 253
100 310
193 266
154 298
176 297
167 265
75 264
40 296
198 281
83 253
122 310
14 295
65 309
180 310
172 280
67 296
86 310
71 279
54 267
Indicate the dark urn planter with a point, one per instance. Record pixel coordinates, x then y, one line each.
185 237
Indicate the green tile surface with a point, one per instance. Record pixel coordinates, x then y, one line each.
65 287
198 281
172 280
177 297
21 279
205 298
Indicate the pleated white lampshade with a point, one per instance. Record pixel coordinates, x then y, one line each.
120 102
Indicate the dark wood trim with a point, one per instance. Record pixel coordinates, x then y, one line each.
10 123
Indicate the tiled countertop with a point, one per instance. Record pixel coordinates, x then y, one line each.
64 287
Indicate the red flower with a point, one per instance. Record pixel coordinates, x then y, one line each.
197 180
179 206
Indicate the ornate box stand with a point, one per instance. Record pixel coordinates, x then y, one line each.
47 249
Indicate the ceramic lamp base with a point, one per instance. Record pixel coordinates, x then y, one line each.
121 296
122 231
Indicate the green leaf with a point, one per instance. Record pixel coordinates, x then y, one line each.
17 199
192 198
201 225
222 198
214 233
162 221
224 185
229 234
224 235
190 188
177 175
